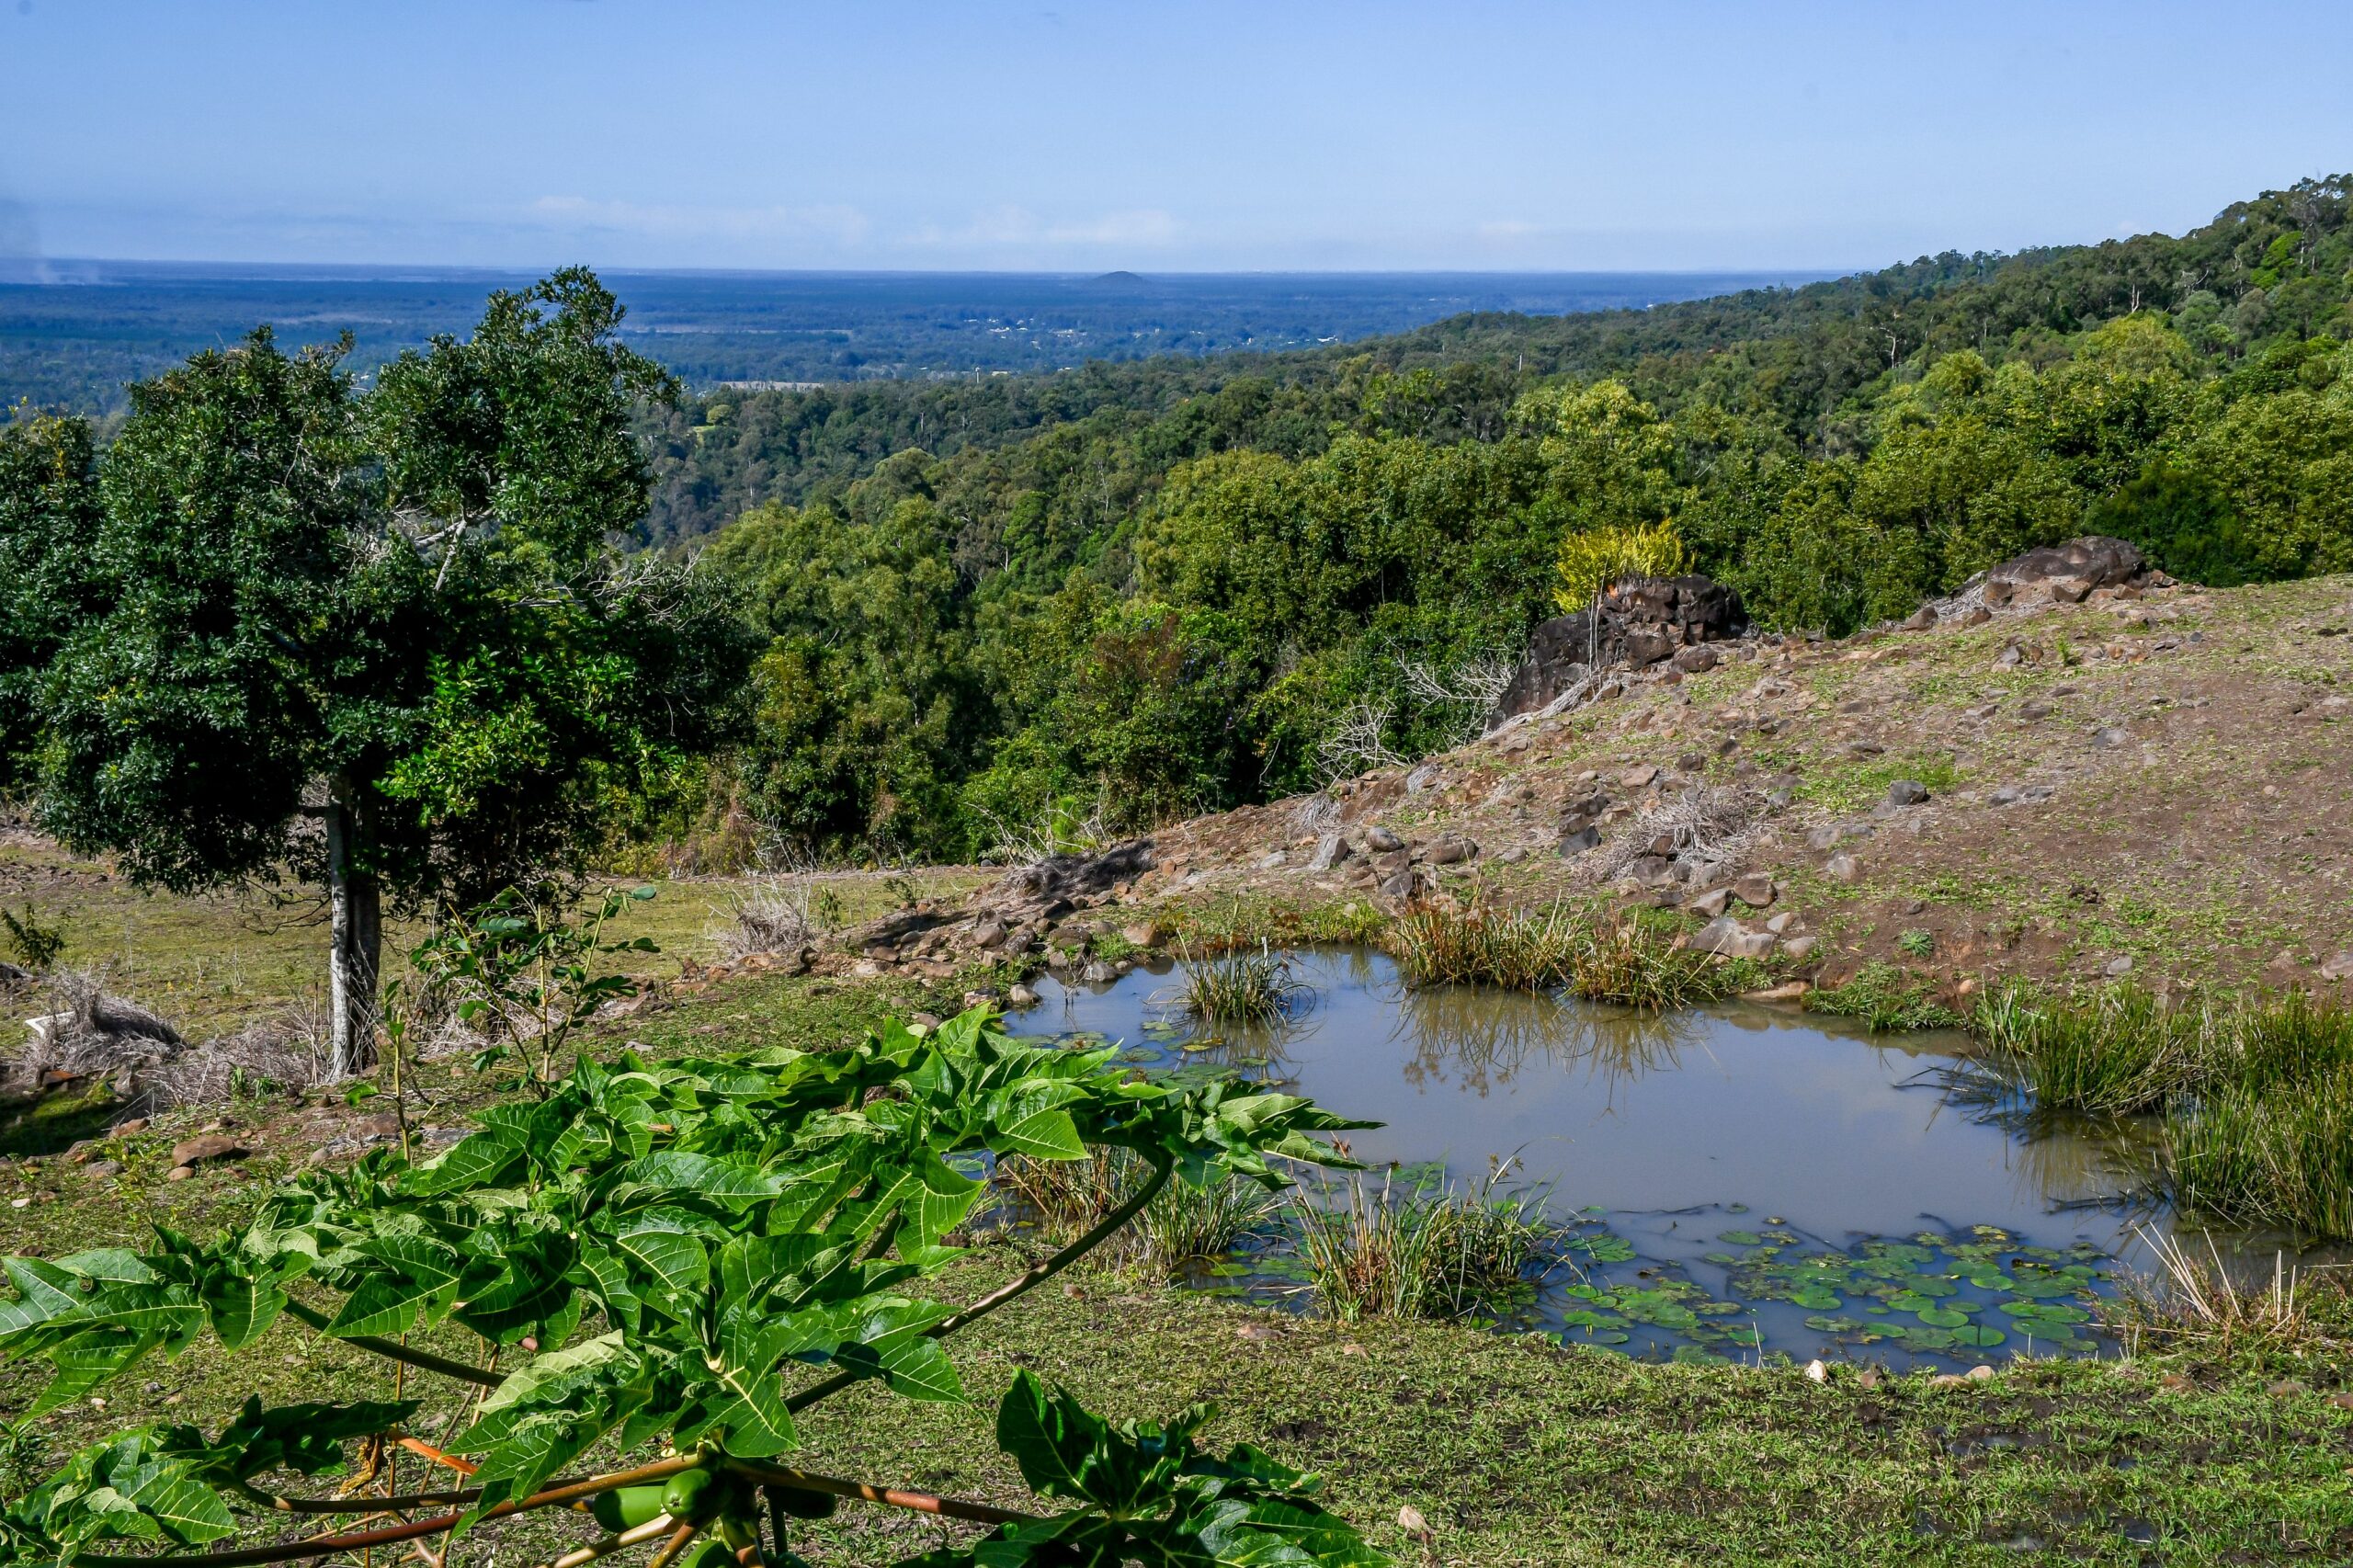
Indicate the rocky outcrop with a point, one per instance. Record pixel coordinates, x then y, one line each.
2069 573
1642 622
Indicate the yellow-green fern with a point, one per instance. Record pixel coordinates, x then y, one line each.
1591 559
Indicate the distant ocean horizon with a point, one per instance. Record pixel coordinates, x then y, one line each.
73 330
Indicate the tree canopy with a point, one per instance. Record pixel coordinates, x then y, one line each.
382 642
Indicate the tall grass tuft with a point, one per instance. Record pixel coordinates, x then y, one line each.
2258 1099
2195 1303
2121 1052
1424 1250
2277 1154
1621 961
1182 1224
1241 987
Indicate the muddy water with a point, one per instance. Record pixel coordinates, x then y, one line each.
1780 1181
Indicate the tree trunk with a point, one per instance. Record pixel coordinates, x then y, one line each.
355 919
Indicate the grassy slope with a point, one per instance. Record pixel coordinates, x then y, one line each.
2200 824
1517 1451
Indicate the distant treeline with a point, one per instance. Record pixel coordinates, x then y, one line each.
997 610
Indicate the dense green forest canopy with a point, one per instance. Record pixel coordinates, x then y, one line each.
1001 612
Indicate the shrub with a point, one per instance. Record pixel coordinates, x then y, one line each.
689 1254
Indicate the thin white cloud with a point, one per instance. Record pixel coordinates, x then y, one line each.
839 225
999 228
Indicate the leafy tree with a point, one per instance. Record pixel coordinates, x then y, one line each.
684 1257
48 520
383 643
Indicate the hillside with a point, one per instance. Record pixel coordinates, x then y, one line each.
2264 270
1004 617
2154 786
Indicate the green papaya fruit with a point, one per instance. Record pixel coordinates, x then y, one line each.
692 1495
627 1507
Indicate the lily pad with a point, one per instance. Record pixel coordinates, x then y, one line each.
1978 1335
1941 1317
1740 1238
1817 1298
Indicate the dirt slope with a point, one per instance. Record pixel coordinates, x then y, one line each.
2157 784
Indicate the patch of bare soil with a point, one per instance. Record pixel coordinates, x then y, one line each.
2152 783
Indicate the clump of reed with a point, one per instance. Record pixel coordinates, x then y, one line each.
1485 944
1888 1000
2120 1052
1183 1223
1240 986
2256 1097
1423 1249
2196 1304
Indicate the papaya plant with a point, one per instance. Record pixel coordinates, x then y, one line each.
687 1256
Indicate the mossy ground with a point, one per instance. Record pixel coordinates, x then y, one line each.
1517 1451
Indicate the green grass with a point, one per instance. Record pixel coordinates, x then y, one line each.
2119 1053
1184 1223
1240 986
1887 998
1631 961
2257 1097
1517 1450
1421 1249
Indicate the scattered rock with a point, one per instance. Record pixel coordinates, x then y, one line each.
1145 934
2339 967
1815 1372
1425 778
1780 924
1979 1374
1098 973
2064 573
1642 622
1727 938
1575 842
1450 850
1330 850
1798 948
1921 620
1638 777
99 1170
1270 863
1978 615
2118 969
178 1173
210 1148
1021 996
1754 890
1841 868
1400 886
1695 661
126 1129
1381 841
1907 792
1709 904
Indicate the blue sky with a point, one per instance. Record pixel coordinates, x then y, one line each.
872 133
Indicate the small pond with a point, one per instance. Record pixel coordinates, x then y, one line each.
1744 1178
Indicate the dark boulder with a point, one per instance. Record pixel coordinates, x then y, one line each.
2066 573
1643 621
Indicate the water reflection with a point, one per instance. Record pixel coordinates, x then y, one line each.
1685 1130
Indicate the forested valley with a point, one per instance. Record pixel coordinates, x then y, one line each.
1002 612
